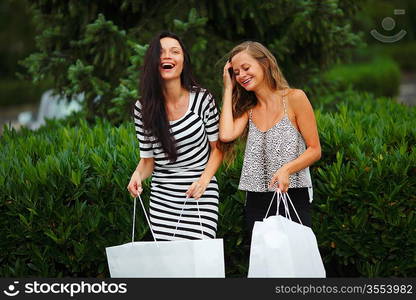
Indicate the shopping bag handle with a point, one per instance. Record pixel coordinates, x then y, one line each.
199 214
285 198
147 219
286 207
150 226
278 193
293 206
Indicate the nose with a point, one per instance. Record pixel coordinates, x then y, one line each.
164 54
242 74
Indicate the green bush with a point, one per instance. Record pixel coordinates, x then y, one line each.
380 77
365 187
401 52
63 197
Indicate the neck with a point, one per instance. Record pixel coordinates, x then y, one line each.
265 96
173 90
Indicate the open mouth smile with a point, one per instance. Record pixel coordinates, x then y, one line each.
246 82
167 66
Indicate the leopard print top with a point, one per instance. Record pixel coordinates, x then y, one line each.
267 151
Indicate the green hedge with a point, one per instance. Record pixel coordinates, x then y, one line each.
63 197
365 188
381 76
401 52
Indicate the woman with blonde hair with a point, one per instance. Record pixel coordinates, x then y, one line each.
282 136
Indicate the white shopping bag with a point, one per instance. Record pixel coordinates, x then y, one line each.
281 247
181 258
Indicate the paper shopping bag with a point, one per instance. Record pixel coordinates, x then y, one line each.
281 247
179 258
182 258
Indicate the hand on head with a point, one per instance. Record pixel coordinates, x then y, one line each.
227 80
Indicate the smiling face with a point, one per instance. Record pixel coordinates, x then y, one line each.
248 71
171 58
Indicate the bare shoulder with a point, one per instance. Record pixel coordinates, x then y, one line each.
297 99
297 96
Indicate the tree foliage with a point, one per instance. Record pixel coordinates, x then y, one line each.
97 47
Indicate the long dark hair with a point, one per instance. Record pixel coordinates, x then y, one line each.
152 100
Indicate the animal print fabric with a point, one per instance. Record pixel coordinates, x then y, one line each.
267 151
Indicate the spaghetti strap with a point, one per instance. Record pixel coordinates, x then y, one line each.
284 103
266 151
250 114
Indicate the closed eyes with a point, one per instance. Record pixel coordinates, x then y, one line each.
173 50
237 71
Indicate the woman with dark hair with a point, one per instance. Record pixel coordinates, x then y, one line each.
176 124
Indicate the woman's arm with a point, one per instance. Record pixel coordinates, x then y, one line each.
306 122
230 128
143 170
145 167
197 189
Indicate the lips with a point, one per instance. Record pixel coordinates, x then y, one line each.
246 81
167 65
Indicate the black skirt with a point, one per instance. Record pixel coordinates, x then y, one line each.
258 202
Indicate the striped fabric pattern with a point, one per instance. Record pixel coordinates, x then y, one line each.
170 180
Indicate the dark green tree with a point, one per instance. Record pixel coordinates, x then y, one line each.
96 47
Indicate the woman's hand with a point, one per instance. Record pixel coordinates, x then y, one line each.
196 190
282 178
227 80
135 184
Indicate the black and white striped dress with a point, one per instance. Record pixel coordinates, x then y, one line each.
170 180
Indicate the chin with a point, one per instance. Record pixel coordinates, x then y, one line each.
170 77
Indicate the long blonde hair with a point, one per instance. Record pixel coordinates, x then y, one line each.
243 100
